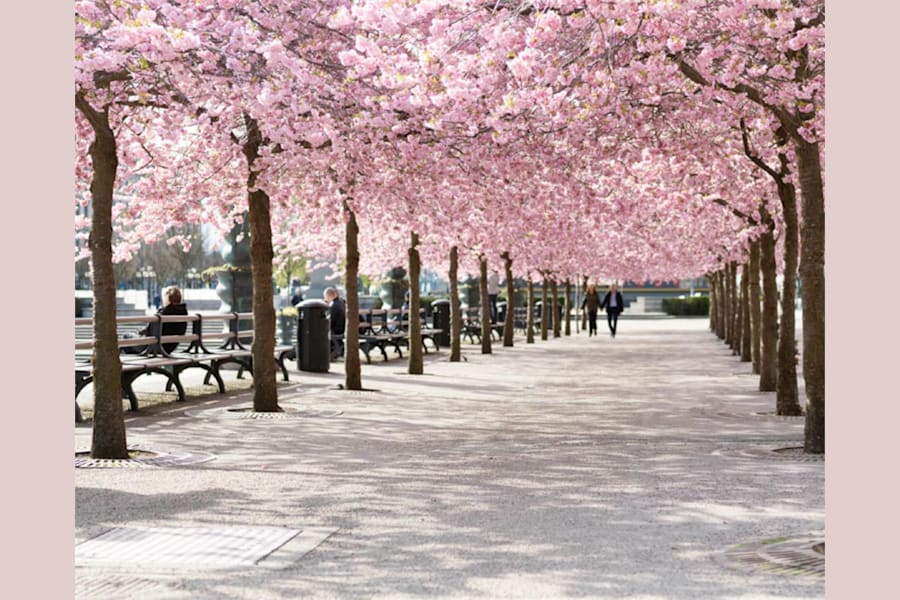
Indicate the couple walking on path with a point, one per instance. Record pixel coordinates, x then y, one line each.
612 302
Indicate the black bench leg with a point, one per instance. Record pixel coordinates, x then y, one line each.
78 417
127 391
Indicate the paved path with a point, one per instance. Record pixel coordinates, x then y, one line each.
576 467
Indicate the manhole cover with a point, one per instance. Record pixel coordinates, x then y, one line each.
247 413
792 556
182 548
142 458
124 586
793 453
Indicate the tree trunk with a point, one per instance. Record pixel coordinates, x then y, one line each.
509 322
755 314
416 366
745 313
728 321
584 284
554 290
787 396
567 307
485 307
108 433
265 392
736 311
545 310
455 312
723 305
529 314
812 275
768 364
352 367
713 301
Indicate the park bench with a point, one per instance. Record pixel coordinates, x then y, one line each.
207 350
471 326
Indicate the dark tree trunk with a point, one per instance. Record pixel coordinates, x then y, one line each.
713 301
729 309
736 311
455 312
485 307
768 364
745 313
584 284
723 305
108 433
509 321
812 275
755 310
529 314
554 290
416 366
545 310
265 392
352 367
788 401
567 308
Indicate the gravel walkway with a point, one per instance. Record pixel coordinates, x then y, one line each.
577 467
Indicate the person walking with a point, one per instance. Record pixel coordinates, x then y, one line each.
591 303
614 306
337 313
493 290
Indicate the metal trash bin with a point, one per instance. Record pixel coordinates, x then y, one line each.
440 319
313 336
501 313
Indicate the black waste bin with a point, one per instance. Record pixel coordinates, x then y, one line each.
501 312
313 331
440 319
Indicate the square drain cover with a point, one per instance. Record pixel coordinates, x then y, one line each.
184 547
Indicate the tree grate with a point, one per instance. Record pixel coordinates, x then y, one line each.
780 556
793 453
246 413
147 459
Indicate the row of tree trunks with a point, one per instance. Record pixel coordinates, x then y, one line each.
568 307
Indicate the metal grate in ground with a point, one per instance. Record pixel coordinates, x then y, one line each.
146 458
104 587
785 452
247 413
789 556
184 548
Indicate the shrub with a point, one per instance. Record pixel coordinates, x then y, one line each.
686 307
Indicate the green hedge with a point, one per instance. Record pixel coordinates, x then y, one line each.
686 307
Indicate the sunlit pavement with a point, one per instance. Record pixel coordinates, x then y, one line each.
573 467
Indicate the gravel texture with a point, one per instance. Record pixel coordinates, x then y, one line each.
575 467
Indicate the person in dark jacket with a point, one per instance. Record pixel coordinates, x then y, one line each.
591 304
614 305
337 314
172 305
